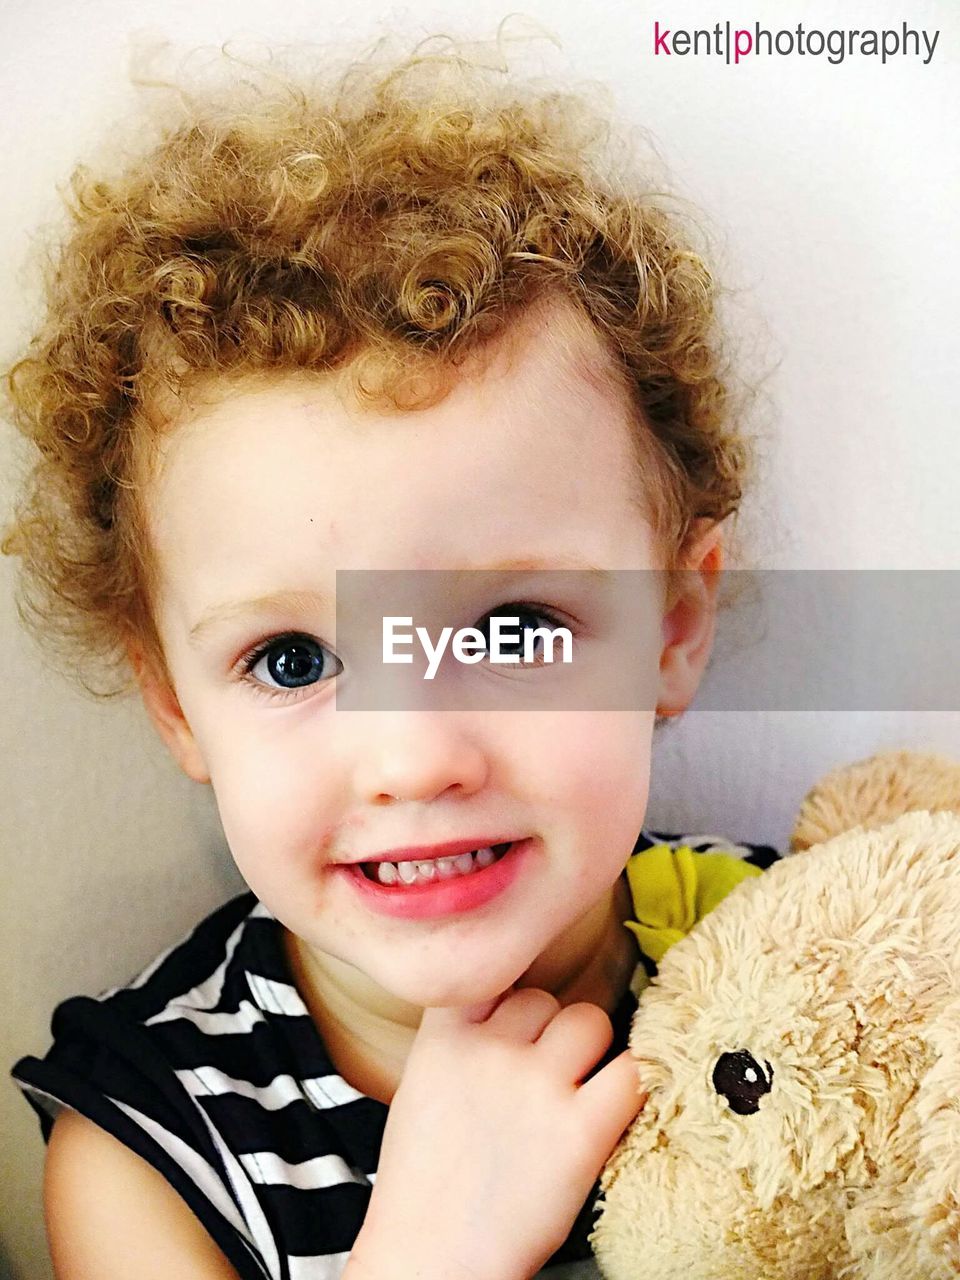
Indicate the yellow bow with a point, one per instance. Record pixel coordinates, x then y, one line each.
673 888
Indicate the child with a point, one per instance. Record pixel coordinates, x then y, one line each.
400 327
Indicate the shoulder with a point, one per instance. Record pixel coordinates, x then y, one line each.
126 1080
172 1015
122 1058
142 1055
208 1066
186 974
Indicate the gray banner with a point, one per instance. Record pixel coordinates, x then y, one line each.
801 640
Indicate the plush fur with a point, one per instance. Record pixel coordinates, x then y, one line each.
801 1049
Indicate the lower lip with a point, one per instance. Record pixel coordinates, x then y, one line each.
442 897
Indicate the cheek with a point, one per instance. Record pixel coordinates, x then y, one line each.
273 806
614 743
591 763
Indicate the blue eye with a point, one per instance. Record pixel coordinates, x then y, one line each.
294 660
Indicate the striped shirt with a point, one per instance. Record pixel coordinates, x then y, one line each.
209 1066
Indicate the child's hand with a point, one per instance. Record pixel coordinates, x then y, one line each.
491 1146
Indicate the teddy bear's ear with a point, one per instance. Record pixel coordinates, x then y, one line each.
935 1203
874 792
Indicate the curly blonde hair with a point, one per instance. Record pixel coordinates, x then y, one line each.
388 225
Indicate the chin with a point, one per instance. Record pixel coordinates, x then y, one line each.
453 995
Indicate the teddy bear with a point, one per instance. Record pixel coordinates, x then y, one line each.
801 1052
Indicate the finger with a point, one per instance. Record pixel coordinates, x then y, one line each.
524 1014
446 1017
615 1096
577 1038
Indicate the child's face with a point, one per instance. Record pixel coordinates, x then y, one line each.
275 489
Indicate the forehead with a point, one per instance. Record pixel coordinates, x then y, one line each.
534 449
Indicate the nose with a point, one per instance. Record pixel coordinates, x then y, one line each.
416 755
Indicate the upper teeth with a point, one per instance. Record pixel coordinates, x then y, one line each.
422 871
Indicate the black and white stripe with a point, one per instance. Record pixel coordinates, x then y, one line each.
208 1065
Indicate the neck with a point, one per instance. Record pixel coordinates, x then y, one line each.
368 1032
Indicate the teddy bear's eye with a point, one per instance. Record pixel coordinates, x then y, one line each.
740 1079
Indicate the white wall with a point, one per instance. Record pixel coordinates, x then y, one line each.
833 194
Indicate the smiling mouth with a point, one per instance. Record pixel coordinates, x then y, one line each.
404 875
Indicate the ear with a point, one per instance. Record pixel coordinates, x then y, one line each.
688 626
164 710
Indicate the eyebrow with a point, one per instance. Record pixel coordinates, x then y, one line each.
302 601
231 610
